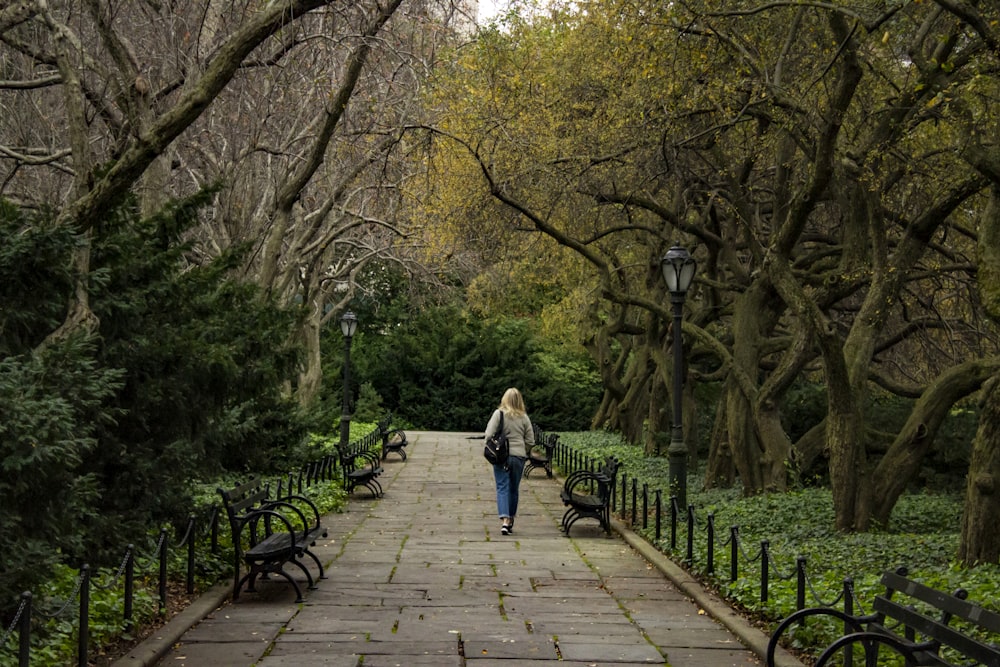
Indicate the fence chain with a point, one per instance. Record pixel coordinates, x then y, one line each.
819 601
723 543
188 534
65 605
859 609
775 572
152 559
726 542
752 559
17 617
118 575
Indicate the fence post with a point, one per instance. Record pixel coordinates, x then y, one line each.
624 494
734 552
215 529
673 523
614 493
645 505
129 587
190 554
163 570
800 594
764 569
849 610
710 566
84 636
690 535
635 493
659 511
24 632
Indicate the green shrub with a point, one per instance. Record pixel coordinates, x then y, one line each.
441 368
184 379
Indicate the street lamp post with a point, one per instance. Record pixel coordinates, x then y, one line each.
348 325
678 270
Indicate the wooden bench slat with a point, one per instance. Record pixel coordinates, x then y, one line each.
361 467
393 441
595 501
276 530
937 631
952 604
242 504
542 459
900 623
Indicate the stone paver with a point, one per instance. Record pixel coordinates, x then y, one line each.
424 577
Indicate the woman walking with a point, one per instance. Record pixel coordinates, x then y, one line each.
521 438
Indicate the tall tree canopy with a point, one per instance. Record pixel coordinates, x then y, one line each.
819 159
296 107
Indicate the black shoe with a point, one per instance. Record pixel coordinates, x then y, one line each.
505 530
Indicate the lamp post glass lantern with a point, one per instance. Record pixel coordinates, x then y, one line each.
348 325
678 271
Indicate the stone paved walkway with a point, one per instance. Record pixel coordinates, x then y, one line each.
423 577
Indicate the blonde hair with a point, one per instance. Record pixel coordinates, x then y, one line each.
512 403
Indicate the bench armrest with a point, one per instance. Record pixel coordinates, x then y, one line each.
856 623
905 649
358 457
368 457
253 520
581 477
287 504
387 435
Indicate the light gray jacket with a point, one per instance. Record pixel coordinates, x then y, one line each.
520 434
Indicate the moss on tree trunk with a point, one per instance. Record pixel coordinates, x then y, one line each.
980 537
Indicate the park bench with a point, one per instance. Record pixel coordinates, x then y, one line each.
270 533
541 455
923 625
393 440
587 495
360 466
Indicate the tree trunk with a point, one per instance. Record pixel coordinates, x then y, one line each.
980 541
844 420
742 443
610 368
748 330
657 419
980 537
902 461
632 410
311 377
720 470
777 449
810 447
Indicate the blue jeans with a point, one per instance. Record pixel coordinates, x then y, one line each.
508 483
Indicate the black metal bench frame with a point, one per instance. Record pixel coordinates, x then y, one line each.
917 636
541 459
588 495
360 467
393 441
270 533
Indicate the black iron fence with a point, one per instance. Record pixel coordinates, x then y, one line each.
153 564
133 561
634 502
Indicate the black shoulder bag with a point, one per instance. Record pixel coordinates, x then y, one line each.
497 448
